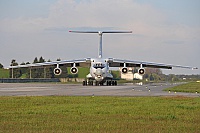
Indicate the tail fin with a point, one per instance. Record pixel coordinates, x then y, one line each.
100 37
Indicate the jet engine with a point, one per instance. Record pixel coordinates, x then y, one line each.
74 70
57 71
124 70
141 71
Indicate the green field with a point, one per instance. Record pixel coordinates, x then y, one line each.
99 114
191 87
4 73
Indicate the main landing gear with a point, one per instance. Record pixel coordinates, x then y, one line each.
111 83
87 83
91 83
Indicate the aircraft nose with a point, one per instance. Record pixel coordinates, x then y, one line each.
99 73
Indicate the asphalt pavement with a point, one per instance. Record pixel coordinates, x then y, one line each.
49 89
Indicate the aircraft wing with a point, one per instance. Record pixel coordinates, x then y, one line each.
68 63
129 63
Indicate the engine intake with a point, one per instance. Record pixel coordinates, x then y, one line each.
141 71
74 70
124 70
57 71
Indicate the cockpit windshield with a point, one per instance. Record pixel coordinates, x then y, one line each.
99 65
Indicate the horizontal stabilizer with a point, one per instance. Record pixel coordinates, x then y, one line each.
100 32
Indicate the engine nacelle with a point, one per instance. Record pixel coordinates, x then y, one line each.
57 71
124 70
74 70
141 71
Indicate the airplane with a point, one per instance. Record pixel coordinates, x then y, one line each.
99 67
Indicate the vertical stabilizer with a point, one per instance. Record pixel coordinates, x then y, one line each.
100 44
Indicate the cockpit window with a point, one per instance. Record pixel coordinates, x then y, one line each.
99 65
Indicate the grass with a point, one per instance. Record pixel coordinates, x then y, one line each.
99 114
191 87
4 73
83 72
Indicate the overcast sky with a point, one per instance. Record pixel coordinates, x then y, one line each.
164 31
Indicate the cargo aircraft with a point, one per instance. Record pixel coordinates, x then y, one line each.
99 67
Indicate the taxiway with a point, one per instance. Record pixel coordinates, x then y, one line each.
49 89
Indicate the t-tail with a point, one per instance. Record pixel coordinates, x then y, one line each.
100 52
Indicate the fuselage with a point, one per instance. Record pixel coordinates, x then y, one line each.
99 70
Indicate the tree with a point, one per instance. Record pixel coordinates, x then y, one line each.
41 60
153 74
16 72
22 63
49 72
13 63
172 77
153 70
1 66
23 71
151 78
36 60
37 72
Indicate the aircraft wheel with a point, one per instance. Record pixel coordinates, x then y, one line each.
109 83
84 83
91 83
115 83
96 83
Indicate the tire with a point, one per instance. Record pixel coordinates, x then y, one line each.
84 83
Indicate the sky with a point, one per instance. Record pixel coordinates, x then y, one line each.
164 31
